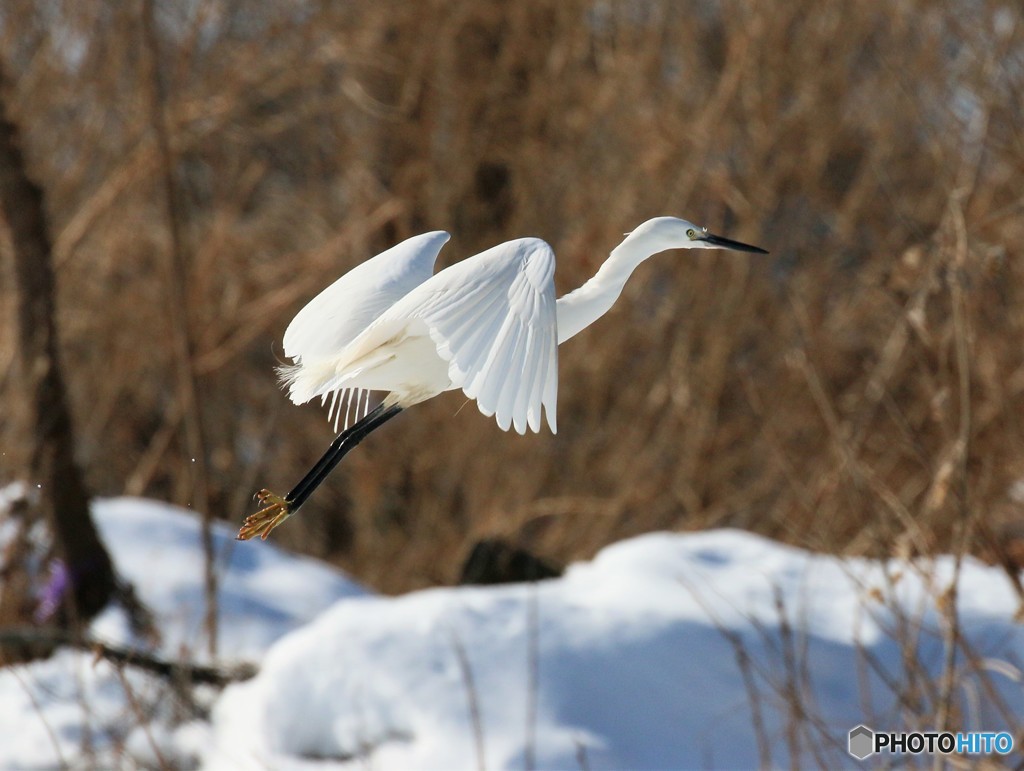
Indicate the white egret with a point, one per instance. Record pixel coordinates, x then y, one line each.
489 325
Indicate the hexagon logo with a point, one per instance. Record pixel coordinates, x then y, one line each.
861 742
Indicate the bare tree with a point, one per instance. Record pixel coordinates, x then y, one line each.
88 575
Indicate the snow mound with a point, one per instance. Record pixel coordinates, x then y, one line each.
717 650
702 650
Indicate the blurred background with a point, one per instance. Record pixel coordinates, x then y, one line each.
210 165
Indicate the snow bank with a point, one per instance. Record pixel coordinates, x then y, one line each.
701 650
665 651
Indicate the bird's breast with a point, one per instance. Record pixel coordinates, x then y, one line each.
407 365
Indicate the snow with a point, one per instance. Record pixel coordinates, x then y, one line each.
634 664
263 592
77 711
699 650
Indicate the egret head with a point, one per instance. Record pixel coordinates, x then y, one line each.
673 233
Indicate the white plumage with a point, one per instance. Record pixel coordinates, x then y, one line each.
489 325
341 312
485 325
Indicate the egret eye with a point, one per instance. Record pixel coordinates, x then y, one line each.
691 233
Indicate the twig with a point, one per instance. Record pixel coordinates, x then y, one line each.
764 750
42 716
142 719
861 475
472 700
948 607
196 674
819 734
581 755
533 677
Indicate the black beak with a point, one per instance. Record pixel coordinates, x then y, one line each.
728 243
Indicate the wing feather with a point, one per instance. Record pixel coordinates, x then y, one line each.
336 316
492 318
473 330
491 373
511 387
499 375
524 409
549 386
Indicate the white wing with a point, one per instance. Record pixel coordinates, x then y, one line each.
492 318
340 313
337 315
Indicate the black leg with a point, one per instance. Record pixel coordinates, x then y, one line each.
339 448
274 509
335 446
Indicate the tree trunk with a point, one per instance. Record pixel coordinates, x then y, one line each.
84 581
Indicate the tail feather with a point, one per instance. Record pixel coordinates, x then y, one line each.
307 381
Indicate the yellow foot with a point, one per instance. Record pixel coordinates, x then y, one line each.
272 512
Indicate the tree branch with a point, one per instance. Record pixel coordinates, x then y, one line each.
194 674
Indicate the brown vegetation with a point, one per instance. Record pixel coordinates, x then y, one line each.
859 390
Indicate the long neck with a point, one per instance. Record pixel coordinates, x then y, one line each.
582 307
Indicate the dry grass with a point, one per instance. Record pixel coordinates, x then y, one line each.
859 391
